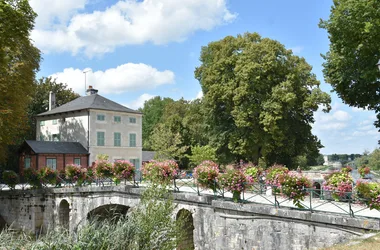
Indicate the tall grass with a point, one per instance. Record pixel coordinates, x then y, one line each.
150 225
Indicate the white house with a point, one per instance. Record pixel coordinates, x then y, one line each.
99 124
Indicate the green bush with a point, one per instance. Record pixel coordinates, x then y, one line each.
32 177
10 178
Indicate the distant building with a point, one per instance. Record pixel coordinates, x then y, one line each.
98 124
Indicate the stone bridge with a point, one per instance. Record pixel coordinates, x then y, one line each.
215 223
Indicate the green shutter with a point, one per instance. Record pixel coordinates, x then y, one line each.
117 139
100 138
132 140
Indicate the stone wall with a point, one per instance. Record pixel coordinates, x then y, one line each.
217 224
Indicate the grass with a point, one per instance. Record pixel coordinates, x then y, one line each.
317 168
370 243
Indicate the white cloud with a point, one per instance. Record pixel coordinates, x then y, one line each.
342 116
331 121
126 77
297 49
127 22
199 95
355 109
139 102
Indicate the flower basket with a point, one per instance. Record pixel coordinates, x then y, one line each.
123 170
103 169
32 177
293 186
160 172
206 175
369 193
235 181
76 174
48 176
363 171
10 178
338 185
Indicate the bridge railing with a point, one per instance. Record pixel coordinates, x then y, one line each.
350 203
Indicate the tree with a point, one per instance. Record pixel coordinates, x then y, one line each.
19 62
259 100
354 33
200 154
374 160
40 100
152 113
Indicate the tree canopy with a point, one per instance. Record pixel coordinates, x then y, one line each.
19 62
259 100
354 33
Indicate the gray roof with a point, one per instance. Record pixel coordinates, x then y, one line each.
56 147
148 155
94 101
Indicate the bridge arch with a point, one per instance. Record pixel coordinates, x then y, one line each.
108 211
64 214
187 226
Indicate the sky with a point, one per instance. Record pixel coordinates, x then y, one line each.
134 50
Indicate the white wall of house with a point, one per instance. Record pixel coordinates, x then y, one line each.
64 127
110 127
77 126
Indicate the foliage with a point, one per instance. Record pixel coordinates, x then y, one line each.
161 172
123 169
32 177
374 159
259 99
206 174
76 173
339 184
201 153
235 181
48 176
363 171
293 186
152 112
19 62
168 145
275 173
370 192
253 171
354 33
10 178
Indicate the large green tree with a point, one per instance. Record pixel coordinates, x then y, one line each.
354 33
19 62
152 112
40 100
259 100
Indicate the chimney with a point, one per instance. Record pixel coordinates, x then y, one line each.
91 91
51 100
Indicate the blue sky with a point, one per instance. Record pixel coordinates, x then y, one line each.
140 49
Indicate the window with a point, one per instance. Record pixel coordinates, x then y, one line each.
77 161
132 140
132 119
42 123
117 119
135 162
100 138
101 117
56 137
55 122
117 139
51 163
27 162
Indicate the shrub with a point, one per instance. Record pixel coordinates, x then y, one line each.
235 181
253 171
161 172
363 171
338 184
32 177
10 178
206 174
76 173
370 192
293 186
48 176
103 169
